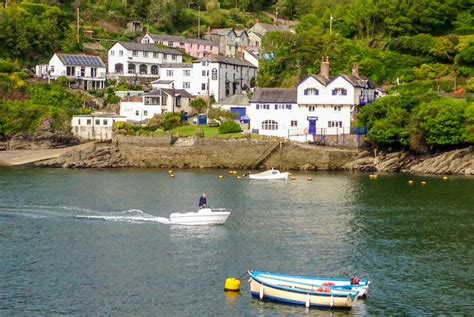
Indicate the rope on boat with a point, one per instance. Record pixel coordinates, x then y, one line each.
243 276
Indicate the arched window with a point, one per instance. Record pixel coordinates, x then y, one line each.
269 125
131 68
143 69
214 74
311 92
119 68
154 70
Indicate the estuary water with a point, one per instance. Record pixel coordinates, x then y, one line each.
97 242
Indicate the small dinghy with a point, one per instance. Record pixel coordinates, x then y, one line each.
204 216
291 292
361 286
294 293
269 175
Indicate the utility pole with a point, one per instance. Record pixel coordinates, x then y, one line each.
78 12
330 25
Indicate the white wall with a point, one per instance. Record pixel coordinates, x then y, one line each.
91 127
138 111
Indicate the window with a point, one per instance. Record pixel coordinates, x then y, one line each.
112 53
143 69
170 44
169 73
89 121
120 53
93 72
145 112
263 106
137 113
181 43
154 70
339 92
186 73
104 122
83 72
131 68
186 85
79 121
165 56
334 124
311 108
146 41
145 54
214 74
205 73
288 107
52 68
337 108
135 53
269 125
294 123
156 54
203 86
174 57
311 92
97 121
70 70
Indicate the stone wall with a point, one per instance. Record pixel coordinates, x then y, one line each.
343 140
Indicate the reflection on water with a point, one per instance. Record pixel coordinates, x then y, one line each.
82 242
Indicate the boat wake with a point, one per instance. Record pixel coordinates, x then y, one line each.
41 212
132 215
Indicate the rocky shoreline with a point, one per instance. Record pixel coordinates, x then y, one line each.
455 162
252 154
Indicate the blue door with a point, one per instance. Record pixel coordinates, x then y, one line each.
312 126
240 110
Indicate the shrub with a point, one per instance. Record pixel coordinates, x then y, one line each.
229 127
199 105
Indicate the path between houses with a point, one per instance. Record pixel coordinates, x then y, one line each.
22 157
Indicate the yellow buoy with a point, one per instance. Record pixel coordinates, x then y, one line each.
445 178
172 175
410 182
309 178
238 177
232 285
170 171
220 176
423 183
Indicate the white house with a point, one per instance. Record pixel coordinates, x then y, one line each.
221 76
252 56
140 60
214 76
87 71
322 106
95 126
144 107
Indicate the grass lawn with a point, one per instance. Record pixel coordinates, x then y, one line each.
190 130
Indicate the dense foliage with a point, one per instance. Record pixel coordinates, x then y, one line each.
419 122
229 127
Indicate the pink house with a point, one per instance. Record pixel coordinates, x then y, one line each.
192 46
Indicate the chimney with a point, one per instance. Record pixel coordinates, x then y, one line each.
355 70
324 71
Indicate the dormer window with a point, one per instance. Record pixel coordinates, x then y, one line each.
339 92
311 92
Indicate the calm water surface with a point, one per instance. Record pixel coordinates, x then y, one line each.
92 242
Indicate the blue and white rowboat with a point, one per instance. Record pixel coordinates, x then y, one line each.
312 283
292 292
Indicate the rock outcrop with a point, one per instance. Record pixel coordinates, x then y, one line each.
456 162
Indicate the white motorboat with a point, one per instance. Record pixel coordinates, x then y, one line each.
204 216
269 175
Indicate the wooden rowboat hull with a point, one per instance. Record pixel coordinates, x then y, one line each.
341 300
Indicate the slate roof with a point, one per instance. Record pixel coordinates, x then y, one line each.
321 79
226 60
274 95
181 39
81 60
359 81
224 31
176 65
149 48
274 28
170 92
160 81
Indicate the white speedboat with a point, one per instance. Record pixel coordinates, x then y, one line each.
204 216
269 175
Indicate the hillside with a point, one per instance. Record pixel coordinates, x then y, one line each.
415 48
